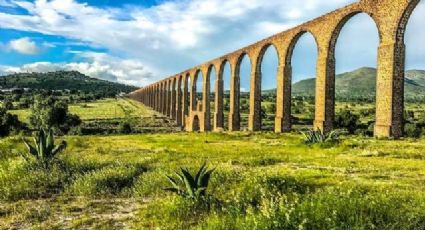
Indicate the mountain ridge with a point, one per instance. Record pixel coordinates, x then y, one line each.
62 80
361 84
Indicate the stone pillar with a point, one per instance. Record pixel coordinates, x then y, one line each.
218 114
325 91
283 98
165 92
234 113
206 101
173 99
164 100
185 101
390 89
254 123
158 98
179 102
168 111
150 97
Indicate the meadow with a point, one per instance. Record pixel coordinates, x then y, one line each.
261 181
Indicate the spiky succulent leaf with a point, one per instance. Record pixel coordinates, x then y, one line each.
200 174
32 150
178 191
50 142
173 182
189 182
57 149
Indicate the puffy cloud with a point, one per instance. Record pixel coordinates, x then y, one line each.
98 65
173 35
24 46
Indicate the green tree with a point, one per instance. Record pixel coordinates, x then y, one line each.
8 123
49 112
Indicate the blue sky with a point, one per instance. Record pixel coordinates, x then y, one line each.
139 42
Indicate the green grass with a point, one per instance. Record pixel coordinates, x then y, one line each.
262 181
100 110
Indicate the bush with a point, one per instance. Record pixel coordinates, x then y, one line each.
412 130
9 123
345 119
125 128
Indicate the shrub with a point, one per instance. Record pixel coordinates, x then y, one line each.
125 128
345 119
412 130
8 123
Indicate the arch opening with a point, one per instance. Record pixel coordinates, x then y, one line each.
198 88
226 76
244 73
195 124
269 62
355 48
303 59
212 78
186 96
414 87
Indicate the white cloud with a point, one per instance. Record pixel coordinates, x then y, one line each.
98 65
24 46
169 37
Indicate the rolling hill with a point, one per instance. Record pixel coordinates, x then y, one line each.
62 80
361 84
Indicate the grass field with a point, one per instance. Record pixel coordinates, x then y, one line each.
102 109
261 181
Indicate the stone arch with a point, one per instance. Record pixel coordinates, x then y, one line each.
225 96
186 95
173 98
196 124
242 98
179 102
284 117
404 19
212 93
293 43
332 59
264 114
337 30
197 89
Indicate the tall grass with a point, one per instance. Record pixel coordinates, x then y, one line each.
262 181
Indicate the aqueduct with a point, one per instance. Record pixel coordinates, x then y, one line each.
171 97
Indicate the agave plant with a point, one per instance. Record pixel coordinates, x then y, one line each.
318 136
189 186
44 149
